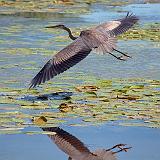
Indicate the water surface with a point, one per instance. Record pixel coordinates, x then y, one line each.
26 45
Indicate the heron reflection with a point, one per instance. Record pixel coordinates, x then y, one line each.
101 38
76 150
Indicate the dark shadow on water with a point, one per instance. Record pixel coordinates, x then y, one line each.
50 96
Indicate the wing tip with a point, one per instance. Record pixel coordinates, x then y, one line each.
131 15
31 85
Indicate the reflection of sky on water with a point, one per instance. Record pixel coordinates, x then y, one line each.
143 140
146 12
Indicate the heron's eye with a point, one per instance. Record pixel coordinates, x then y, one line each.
82 33
85 33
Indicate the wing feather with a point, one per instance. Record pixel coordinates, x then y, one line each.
102 40
63 60
68 143
119 26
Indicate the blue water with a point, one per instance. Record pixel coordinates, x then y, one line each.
144 64
144 142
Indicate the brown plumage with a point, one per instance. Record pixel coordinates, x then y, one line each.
101 38
76 150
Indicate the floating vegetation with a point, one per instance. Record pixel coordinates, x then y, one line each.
122 101
25 42
42 9
66 107
39 121
87 88
148 32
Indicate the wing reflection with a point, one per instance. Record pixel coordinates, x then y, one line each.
76 150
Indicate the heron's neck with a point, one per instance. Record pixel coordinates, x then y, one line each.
70 33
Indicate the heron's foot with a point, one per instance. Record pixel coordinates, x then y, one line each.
116 146
127 55
121 148
125 149
121 58
122 53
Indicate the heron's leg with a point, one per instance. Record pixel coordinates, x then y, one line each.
119 58
122 149
122 53
116 146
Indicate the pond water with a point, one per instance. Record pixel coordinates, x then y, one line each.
26 45
144 142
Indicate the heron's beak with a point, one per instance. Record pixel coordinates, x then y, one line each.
52 26
56 26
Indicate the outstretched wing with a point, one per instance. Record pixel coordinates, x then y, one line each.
118 26
74 53
63 60
68 143
99 38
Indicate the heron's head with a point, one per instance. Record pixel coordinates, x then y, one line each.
85 33
56 26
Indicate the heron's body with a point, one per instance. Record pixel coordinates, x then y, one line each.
101 38
76 150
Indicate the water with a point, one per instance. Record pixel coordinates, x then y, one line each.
25 46
27 38
144 142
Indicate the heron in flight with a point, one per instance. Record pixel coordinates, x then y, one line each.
76 150
101 38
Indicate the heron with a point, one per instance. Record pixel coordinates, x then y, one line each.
76 150
102 39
